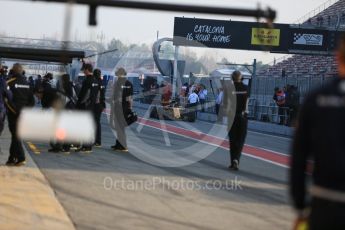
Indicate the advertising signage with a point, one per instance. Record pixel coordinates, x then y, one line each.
309 39
281 38
266 37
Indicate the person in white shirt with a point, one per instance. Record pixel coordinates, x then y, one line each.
193 98
219 100
202 97
193 101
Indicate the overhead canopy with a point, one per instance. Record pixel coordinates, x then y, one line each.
35 54
187 8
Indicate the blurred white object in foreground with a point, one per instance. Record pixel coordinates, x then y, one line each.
49 125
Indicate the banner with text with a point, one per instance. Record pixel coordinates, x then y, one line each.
281 38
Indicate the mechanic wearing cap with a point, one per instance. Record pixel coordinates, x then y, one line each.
21 96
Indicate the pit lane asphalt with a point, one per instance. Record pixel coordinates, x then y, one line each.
112 190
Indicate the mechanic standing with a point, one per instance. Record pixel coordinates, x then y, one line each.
121 107
238 130
319 136
21 96
99 107
87 98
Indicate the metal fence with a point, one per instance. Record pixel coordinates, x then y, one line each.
261 106
269 113
263 87
315 11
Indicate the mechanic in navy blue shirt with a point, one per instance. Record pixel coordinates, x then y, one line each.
320 136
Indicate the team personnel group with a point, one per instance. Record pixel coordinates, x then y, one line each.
18 92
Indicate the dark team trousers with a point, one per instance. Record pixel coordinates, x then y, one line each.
120 125
90 110
16 148
327 215
281 114
60 146
237 136
219 113
194 108
202 104
97 113
217 109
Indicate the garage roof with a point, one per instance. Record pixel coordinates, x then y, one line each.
40 54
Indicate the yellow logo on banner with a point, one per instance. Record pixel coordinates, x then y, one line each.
265 37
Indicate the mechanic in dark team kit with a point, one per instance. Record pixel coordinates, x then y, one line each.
22 96
87 98
99 107
320 136
238 130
